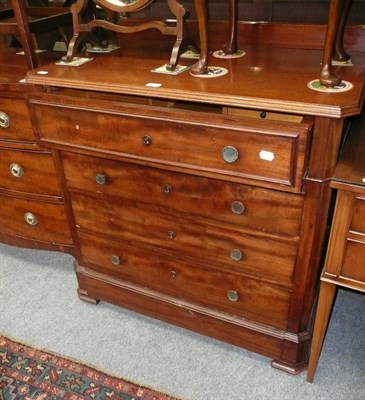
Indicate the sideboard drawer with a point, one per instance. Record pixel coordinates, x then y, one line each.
358 216
34 220
222 291
247 206
353 267
230 248
30 172
248 149
15 124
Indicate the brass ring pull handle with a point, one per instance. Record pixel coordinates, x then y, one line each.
115 260
30 218
230 154
16 170
236 254
147 140
237 207
4 120
232 295
100 179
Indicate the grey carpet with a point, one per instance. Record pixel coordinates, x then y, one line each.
39 306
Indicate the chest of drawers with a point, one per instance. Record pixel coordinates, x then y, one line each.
31 205
196 203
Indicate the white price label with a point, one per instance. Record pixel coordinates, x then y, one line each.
266 155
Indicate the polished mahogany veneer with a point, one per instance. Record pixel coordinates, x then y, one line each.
200 202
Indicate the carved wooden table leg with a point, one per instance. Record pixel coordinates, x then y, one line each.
232 47
183 39
201 11
77 9
336 18
339 53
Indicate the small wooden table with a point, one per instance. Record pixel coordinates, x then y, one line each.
345 259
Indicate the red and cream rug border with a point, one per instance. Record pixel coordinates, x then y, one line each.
41 374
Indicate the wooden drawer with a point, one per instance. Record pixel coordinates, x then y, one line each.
34 220
251 299
15 124
252 207
353 267
30 172
229 248
358 216
241 148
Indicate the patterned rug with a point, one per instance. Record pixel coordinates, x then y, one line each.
31 374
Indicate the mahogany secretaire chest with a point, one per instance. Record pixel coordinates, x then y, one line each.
199 201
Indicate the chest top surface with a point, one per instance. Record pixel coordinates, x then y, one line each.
264 78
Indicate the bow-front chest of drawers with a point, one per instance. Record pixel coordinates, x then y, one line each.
31 205
200 202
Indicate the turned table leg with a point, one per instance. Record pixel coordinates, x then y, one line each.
337 17
201 11
232 47
339 53
325 301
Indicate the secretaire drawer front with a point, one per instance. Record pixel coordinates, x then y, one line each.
31 172
15 124
35 220
253 207
229 293
267 151
261 255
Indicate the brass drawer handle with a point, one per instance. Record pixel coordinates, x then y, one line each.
230 154
115 260
30 218
16 170
100 179
237 207
236 254
167 188
147 140
232 295
4 120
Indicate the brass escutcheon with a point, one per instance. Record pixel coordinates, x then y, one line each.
147 140
171 235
